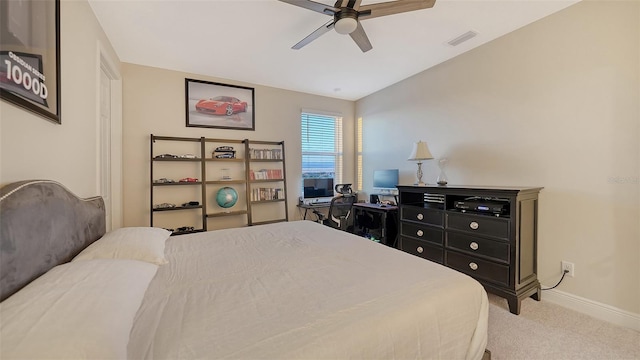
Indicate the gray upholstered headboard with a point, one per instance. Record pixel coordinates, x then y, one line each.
42 225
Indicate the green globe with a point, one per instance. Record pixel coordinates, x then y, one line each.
227 197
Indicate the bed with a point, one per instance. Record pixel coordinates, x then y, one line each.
291 290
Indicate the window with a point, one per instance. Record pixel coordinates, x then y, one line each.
321 146
359 154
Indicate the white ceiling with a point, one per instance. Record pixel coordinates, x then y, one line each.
250 40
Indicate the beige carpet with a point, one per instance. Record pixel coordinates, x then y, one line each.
547 331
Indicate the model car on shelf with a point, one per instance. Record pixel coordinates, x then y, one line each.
164 181
227 155
221 105
191 203
224 148
185 228
187 156
166 156
188 179
164 206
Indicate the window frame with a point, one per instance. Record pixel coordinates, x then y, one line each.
336 138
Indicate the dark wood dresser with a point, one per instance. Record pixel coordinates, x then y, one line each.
489 233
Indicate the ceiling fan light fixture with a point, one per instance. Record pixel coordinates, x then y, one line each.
346 25
347 13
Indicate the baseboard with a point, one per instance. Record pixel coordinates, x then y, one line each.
593 308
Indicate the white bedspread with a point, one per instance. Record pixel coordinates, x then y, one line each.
302 290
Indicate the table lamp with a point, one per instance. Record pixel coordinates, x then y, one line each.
420 152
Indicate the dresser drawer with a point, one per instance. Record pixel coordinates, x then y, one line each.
422 232
422 249
422 215
497 250
479 224
477 268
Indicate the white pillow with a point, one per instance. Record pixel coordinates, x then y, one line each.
79 310
134 243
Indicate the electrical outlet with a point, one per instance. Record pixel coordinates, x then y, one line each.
568 266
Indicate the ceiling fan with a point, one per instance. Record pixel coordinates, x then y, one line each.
348 13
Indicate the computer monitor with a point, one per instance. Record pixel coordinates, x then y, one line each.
385 181
318 189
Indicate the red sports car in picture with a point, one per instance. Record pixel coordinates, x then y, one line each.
221 105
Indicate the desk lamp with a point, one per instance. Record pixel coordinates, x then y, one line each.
420 152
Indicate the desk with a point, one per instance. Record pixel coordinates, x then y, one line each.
315 206
374 220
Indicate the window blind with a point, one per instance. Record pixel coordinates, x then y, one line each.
321 146
359 185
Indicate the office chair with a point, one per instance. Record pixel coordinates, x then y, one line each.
339 215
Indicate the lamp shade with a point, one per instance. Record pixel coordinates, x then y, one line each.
420 152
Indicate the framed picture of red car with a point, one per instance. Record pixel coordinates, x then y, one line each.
30 56
222 106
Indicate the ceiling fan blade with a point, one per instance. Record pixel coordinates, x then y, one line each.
314 6
314 35
393 7
360 37
353 4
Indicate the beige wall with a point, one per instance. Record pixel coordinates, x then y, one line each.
155 104
34 148
554 104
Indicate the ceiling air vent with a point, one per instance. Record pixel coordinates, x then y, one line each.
462 38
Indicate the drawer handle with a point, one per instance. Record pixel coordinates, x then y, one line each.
419 249
420 216
419 233
474 225
473 245
473 266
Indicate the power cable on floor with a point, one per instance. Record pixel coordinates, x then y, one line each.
556 285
